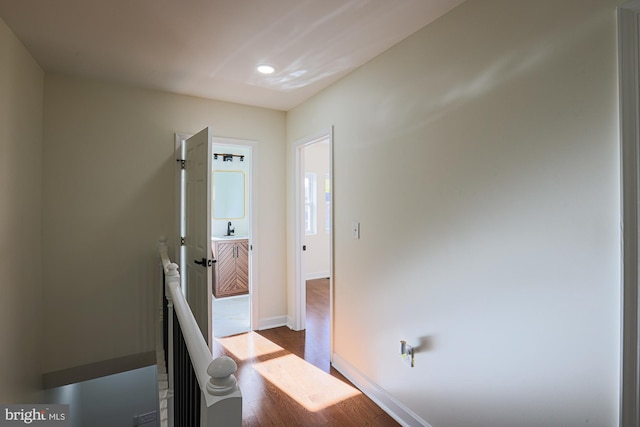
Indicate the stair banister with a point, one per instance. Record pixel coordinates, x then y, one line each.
221 399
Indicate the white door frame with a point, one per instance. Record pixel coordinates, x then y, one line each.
300 313
629 87
253 224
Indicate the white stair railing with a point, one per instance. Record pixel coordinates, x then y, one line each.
203 391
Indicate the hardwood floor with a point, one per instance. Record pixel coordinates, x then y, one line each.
286 378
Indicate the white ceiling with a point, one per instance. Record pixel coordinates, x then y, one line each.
210 48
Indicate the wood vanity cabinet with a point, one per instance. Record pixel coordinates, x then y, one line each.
231 272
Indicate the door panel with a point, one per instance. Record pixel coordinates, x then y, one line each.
232 268
242 265
226 268
198 228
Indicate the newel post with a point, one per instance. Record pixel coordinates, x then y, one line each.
222 381
224 400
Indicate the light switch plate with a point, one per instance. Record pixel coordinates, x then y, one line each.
355 230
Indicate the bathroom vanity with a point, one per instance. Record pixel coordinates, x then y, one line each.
231 272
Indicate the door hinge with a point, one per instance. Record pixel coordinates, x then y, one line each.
182 241
182 163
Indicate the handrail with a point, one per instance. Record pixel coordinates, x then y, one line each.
163 248
215 377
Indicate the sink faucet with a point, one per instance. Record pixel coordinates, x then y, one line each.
230 229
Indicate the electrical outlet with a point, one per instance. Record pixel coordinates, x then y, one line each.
145 418
407 356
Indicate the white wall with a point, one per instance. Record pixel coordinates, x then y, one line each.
317 255
109 194
113 400
481 157
21 88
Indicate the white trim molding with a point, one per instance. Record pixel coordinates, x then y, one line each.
399 412
272 322
629 82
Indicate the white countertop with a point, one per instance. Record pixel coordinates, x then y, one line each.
213 238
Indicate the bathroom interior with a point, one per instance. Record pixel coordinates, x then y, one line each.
230 237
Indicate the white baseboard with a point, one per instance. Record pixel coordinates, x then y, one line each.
384 400
272 322
318 275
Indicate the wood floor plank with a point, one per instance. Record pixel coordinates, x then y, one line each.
286 377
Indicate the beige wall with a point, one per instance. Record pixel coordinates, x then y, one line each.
109 194
481 157
21 86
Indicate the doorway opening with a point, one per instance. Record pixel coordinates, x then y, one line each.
313 201
230 237
230 230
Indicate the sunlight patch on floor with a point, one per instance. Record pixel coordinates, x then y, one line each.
308 385
249 345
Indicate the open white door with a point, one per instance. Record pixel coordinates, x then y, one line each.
199 260
299 318
299 315
629 90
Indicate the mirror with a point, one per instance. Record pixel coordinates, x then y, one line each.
228 194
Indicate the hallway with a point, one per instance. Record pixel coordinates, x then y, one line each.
286 378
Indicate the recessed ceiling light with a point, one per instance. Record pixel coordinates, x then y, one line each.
265 69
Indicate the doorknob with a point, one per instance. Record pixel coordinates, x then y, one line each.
205 262
304 247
